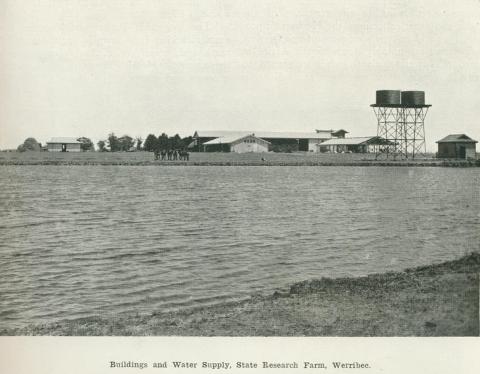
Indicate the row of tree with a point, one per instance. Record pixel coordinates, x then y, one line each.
124 143
31 144
151 144
164 142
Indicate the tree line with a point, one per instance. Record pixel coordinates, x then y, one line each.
151 144
31 144
123 143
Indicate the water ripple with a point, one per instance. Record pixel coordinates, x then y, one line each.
80 241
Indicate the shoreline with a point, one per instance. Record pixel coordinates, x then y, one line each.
223 159
457 164
435 300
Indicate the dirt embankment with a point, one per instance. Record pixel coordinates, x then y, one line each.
436 300
221 159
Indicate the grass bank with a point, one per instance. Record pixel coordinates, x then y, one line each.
435 300
219 159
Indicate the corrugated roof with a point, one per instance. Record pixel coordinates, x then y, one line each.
457 138
331 131
218 134
64 140
225 139
264 134
351 141
230 139
292 135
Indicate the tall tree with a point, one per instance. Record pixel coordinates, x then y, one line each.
163 141
139 142
113 143
101 146
150 143
86 144
30 144
125 143
176 142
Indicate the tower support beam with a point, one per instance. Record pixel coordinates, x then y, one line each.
404 129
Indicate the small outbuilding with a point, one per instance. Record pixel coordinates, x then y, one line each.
242 144
63 145
456 146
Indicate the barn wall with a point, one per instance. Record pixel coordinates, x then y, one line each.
283 145
470 151
452 150
312 145
57 147
73 148
249 147
446 150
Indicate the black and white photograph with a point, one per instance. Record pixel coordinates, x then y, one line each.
239 169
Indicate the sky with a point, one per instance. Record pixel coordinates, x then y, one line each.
87 68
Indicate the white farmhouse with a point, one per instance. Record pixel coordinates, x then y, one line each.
237 144
63 145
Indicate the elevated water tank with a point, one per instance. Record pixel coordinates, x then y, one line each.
388 97
413 98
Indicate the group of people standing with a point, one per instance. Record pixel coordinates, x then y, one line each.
172 155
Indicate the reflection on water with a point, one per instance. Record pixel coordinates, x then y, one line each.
83 240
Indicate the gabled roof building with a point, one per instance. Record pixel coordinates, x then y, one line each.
355 145
457 146
279 141
63 145
237 144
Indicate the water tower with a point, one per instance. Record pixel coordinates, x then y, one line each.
401 122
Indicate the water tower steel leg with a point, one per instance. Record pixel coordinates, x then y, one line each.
413 122
389 127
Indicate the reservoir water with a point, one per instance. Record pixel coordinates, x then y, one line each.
79 241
